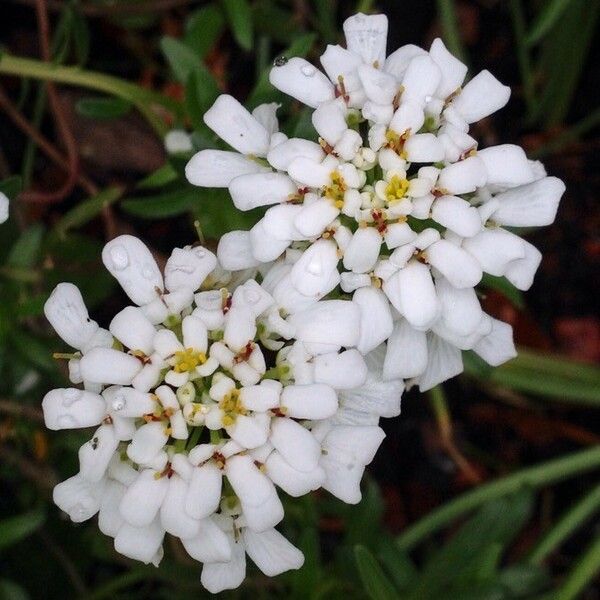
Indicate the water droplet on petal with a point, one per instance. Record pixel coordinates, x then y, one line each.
308 70
200 252
280 61
119 403
315 268
119 257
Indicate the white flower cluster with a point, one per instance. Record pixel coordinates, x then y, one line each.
206 397
394 206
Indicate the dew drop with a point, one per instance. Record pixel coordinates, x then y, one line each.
280 61
315 268
118 403
308 70
119 257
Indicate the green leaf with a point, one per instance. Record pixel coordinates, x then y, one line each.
14 529
239 16
167 204
103 108
11 186
546 19
81 37
505 287
374 580
10 590
200 93
87 210
524 580
397 564
181 58
26 249
203 28
162 176
38 352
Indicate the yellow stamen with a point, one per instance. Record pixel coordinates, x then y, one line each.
396 189
232 406
187 360
335 191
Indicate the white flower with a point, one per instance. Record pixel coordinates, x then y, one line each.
4 207
178 141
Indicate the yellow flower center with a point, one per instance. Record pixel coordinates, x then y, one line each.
187 360
335 191
232 406
396 141
396 189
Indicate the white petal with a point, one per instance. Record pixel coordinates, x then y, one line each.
78 497
143 498
261 189
283 154
313 401
271 552
375 318
309 172
296 444
166 343
349 145
457 215
69 317
398 234
421 79
105 365
363 250
461 311
265 247
379 86
209 545
424 147
235 125
495 249
301 80
530 205
313 219
219 576
266 115
453 71
174 519
366 35
261 398
291 481
133 329
397 62
520 272
506 165
235 251
408 116
147 442
250 431
188 267
204 491
463 177
109 518
329 120
406 354
216 168
95 454
131 263
378 113
312 273
71 408
482 96
412 292
445 361
240 327
498 346
338 61
460 268
335 322
140 543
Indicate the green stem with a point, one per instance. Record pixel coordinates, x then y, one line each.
447 13
144 100
193 439
569 522
583 572
518 19
533 477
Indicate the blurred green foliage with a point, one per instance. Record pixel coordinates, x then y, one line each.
348 551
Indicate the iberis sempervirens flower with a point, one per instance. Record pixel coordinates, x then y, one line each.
207 395
395 205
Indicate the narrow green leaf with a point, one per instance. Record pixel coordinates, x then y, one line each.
374 580
181 58
202 29
38 352
162 176
14 529
87 210
10 590
546 19
103 108
26 251
81 37
11 186
505 287
239 15
522 580
397 564
200 93
167 204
